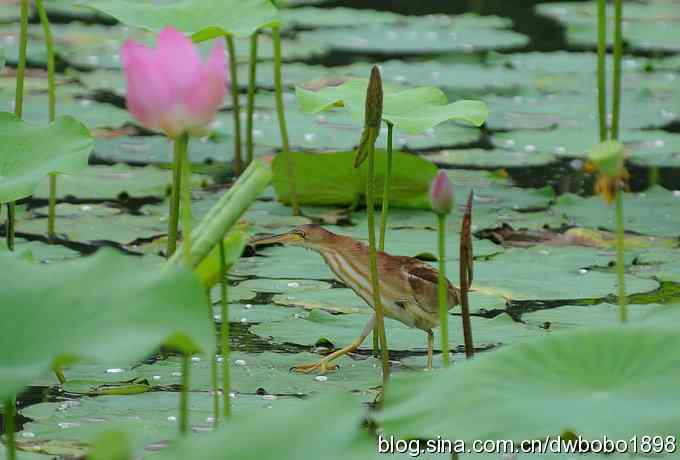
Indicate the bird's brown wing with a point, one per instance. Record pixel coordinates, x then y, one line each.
424 280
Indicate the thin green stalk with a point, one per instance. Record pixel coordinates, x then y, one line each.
51 208
376 341
653 176
387 187
185 191
375 281
443 294
11 219
214 384
184 395
620 267
602 67
383 218
285 145
59 374
252 86
21 65
173 220
224 332
616 84
18 109
52 110
10 441
233 72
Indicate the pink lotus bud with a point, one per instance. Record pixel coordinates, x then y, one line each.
169 88
441 194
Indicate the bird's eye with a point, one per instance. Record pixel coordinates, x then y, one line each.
301 233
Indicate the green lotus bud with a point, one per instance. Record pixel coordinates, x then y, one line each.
609 158
373 117
374 100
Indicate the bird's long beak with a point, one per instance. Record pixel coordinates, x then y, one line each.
283 238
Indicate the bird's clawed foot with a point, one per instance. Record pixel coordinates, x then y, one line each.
323 365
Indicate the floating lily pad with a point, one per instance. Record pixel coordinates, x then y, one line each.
117 182
204 19
313 18
158 150
42 252
102 322
29 153
497 158
563 274
83 420
92 114
649 26
653 212
341 330
254 372
423 35
593 379
100 223
87 46
569 316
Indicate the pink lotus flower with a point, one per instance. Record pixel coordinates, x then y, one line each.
441 193
169 88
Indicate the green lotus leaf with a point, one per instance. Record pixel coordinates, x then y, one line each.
58 313
204 19
412 110
28 153
234 242
617 381
292 431
331 179
652 213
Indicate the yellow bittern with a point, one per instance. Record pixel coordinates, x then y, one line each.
408 287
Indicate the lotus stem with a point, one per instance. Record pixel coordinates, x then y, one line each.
21 65
11 220
465 270
375 283
383 217
214 385
285 145
236 109
443 294
653 176
59 374
173 219
184 395
387 187
602 67
185 191
10 441
620 262
252 87
51 208
224 332
18 110
616 84
51 104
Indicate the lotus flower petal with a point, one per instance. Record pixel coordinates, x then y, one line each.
169 88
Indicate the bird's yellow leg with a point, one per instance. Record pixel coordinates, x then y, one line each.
324 364
430 346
